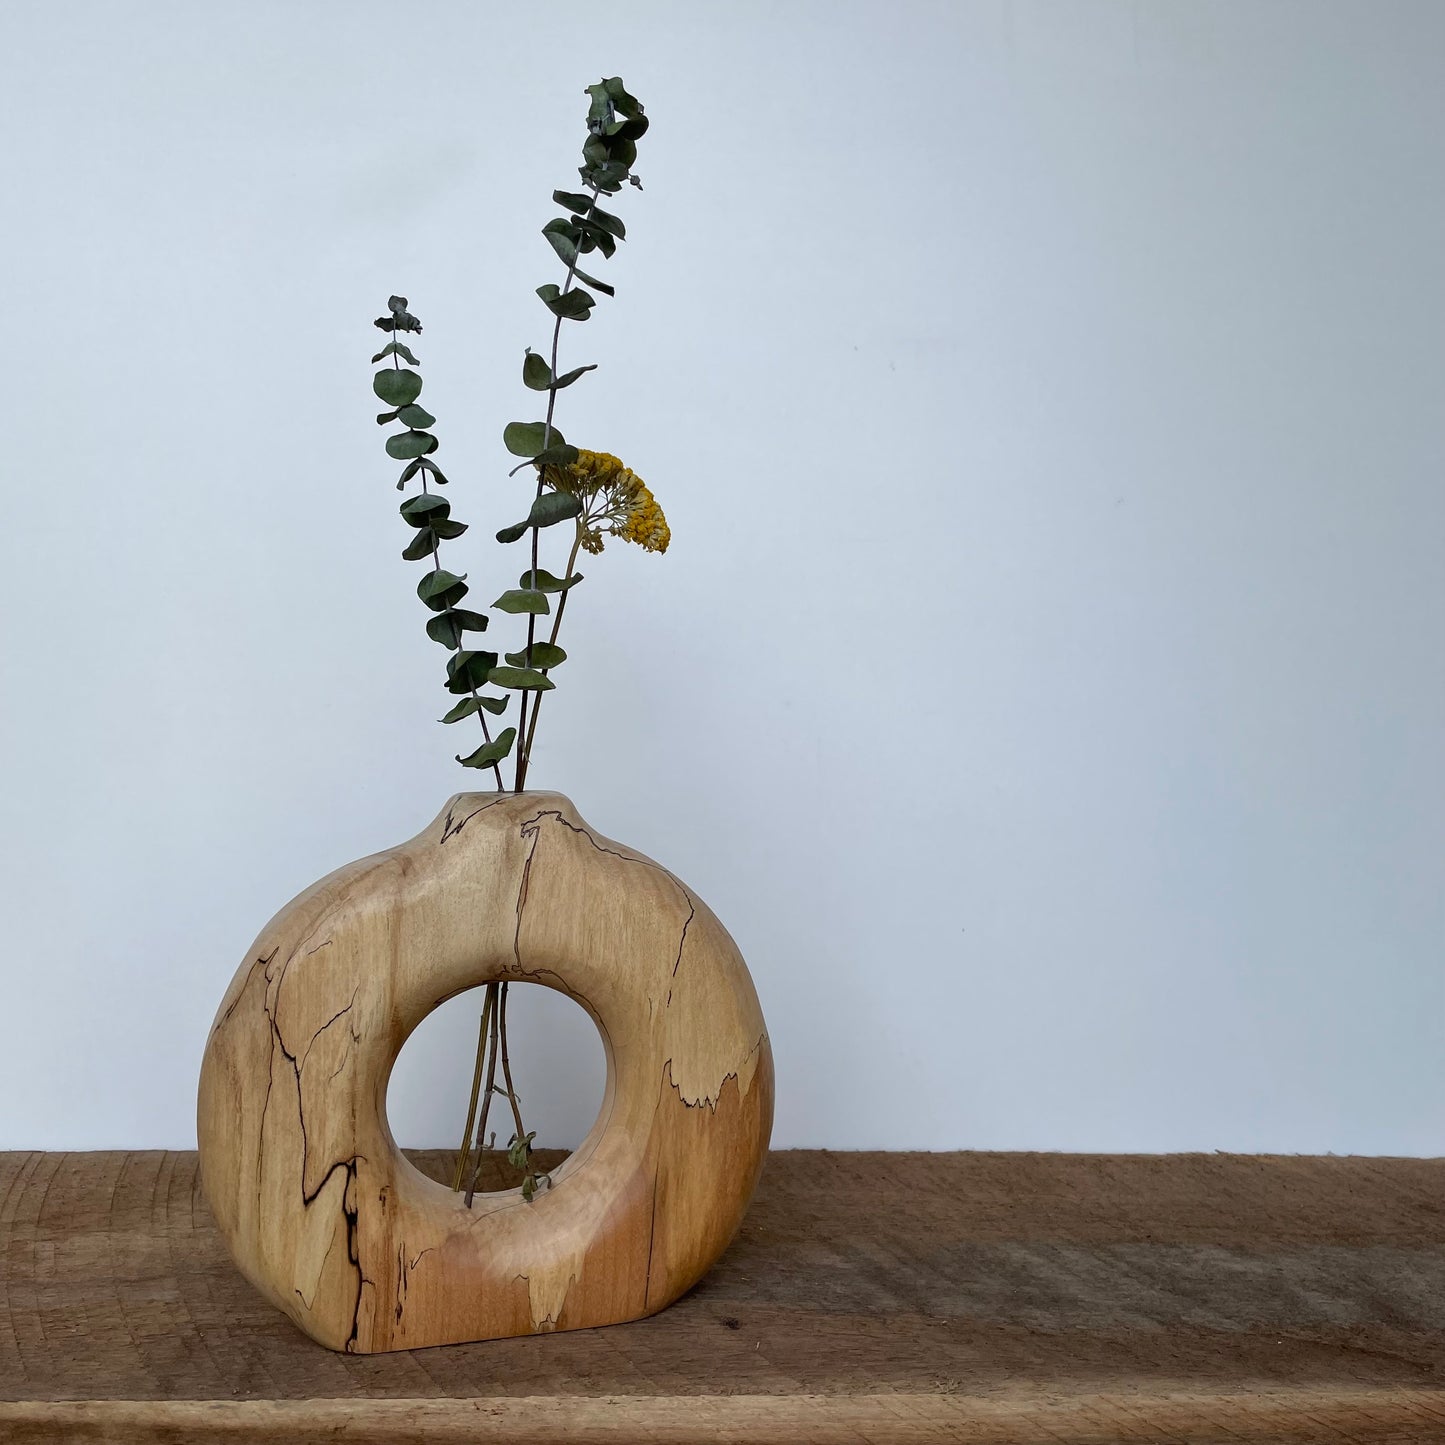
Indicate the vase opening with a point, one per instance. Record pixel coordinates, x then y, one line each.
559 1072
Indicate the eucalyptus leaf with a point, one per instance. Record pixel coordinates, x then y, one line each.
544 581
447 529
568 377
395 348
573 200
513 533
489 754
467 671
519 1148
535 372
563 245
617 94
423 544
396 386
443 628
441 589
426 509
410 444
519 599
494 705
520 678
543 654
573 305
601 107
553 507
416 416
608 222
602 286
603 240
557 456
383 417
527 438
465 708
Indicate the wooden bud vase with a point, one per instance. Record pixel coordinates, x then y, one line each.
320 1209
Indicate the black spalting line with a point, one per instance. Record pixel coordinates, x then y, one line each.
731 1074
652 1228
535 836
349 1189
451 828
264 962
682 942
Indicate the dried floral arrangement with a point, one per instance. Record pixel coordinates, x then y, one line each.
589 494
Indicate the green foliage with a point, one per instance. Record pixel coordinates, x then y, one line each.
615 123
403 445
573 305
544 581
557 456
527 438
548 509
396 385
467 671
465 708
439 589
522 600
520 678
423 510
395 348
596 238
421 464
602 286
542 654
400 318
447 627
489 754
519 1150
608 222
553 507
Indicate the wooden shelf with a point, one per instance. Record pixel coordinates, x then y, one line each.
888 1297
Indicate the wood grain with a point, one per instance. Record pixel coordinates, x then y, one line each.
887 1297
322 1212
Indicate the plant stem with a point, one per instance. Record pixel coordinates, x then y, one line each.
465 1152
557 624
487 1101
507 1071
523 736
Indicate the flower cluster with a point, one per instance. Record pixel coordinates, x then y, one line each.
615 500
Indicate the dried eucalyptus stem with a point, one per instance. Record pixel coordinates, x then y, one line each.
430 514
591 489
465 1151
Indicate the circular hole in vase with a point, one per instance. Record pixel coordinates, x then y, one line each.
558 1071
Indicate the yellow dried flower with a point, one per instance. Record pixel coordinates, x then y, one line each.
645 523
616 501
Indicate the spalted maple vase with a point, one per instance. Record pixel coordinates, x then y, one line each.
320 1209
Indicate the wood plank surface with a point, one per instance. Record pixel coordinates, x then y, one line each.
928 1297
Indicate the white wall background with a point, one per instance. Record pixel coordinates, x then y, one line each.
1047 681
